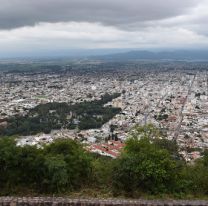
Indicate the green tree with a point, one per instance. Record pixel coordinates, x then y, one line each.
78 162
55 174
144 166
8 163
30 166
102 170
197 175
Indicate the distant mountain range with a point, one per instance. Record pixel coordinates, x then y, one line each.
164 55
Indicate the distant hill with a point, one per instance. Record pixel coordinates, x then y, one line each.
164 55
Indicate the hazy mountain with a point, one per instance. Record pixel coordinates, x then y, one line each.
164 55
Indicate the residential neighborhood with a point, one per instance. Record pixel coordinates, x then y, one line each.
174 100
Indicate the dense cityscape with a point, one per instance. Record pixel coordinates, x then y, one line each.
172 96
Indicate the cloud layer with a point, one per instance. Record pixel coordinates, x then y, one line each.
32 25
18 13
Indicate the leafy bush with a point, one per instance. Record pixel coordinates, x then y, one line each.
145 167
62 166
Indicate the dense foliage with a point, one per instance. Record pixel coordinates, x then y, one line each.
45 117
61 166
147 165
144 166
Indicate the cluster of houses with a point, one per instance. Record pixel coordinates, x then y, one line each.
173 100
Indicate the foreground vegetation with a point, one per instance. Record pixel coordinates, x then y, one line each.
147 166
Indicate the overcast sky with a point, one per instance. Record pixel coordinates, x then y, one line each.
52 26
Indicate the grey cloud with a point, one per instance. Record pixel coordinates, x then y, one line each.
121 13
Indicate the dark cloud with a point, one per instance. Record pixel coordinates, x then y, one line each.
122 13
